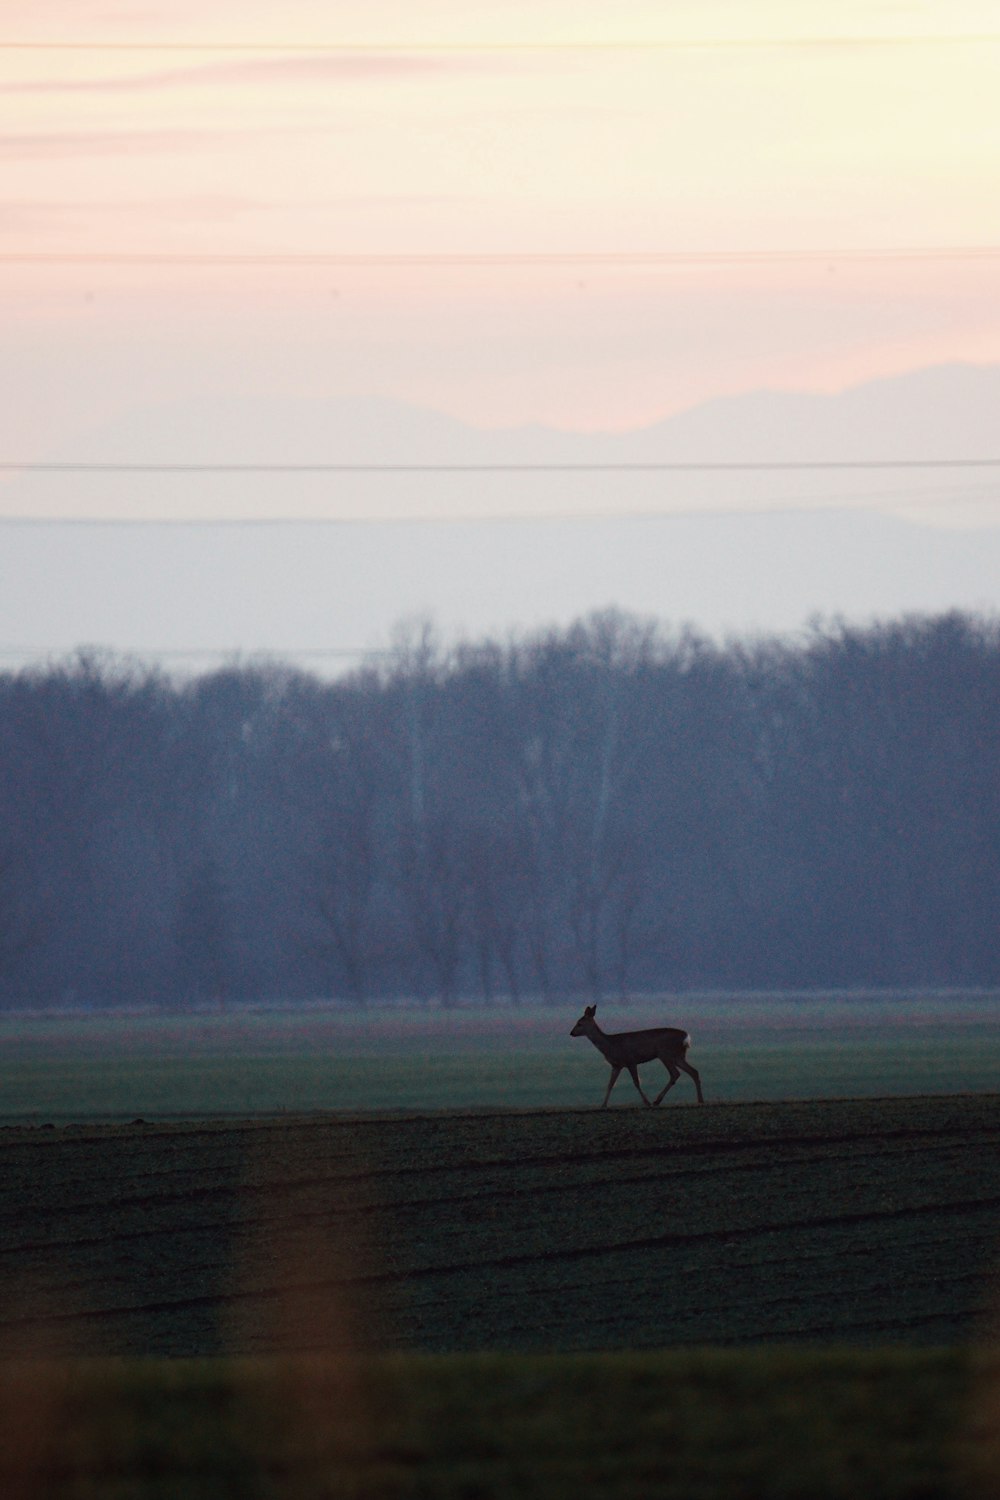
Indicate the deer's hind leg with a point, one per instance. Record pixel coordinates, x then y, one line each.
674 1075
681 1063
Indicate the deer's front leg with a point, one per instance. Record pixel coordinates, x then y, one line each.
614 1080
674 1075
635 1079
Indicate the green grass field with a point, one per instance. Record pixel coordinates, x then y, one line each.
706 1425
62 1068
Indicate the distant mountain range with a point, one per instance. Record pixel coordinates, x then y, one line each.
935 414
727 552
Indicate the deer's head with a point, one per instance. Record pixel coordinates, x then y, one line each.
586 1023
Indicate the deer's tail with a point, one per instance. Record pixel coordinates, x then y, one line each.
685 1044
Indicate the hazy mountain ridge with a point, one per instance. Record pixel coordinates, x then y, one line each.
949 412
728 552
944 411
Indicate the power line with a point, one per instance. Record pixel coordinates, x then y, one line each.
575 259
655 467
796 505
339 653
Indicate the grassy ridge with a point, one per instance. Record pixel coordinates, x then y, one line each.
705 1425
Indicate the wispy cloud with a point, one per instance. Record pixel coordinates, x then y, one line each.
34 213
318 70
101 142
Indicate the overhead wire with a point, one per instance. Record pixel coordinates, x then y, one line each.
652 467
577 259
10 652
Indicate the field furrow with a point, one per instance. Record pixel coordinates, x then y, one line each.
836 1220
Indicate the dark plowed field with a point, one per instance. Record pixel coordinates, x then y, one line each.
861 1221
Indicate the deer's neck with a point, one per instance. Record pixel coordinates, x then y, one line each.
599 1039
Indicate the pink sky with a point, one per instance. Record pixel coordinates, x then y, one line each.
757 126
816 185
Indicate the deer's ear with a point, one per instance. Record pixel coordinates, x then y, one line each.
591 1010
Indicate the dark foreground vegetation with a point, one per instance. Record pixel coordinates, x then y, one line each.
500 1305
708 1425
606 808
841 1221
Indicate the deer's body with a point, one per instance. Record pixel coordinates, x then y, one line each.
627 1049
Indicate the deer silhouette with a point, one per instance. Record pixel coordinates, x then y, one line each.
627 1049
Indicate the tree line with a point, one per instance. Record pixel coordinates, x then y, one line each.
609 808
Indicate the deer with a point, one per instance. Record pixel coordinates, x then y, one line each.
627 1049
